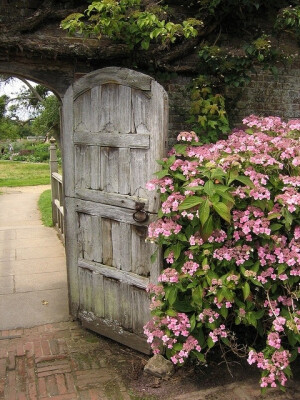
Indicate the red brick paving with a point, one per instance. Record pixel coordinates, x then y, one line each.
54 361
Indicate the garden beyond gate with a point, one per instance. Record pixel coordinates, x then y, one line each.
114 129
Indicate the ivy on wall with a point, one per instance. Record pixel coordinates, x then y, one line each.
154 26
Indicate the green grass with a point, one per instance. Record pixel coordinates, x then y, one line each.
16 173
46 208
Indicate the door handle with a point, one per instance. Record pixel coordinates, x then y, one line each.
140 215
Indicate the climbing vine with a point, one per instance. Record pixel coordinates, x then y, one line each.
209 25
130 22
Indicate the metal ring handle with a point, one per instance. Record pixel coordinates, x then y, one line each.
140 216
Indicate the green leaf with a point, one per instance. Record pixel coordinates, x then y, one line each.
197 295
183 306
292 338
177 250
275 227
210 342
200 356
224 312
225 195
171 294
259 314
225 341
243 179
190 202
171 312
154 256
204 211
273 216
246 290
250 316
193 322
162 173
209 188
180 148
223 211
179 176
208 227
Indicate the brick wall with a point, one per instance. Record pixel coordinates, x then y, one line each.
265 95
270 95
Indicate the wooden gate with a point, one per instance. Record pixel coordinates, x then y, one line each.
114 130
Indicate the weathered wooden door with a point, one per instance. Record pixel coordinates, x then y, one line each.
114 130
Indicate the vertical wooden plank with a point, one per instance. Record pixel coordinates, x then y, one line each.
103 168
126 306
85 236
113 160
123 113
110 169
139 172
89 238
67 143
71 229
159 110
116 244
82 112
95 108
121 244
141 312
107 254
95 167
85 289
125 246
98 295
140 257
77 112
82 167
112 299
141 111
78 167
124 171
96 239
109 100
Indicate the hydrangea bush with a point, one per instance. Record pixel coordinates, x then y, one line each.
230 229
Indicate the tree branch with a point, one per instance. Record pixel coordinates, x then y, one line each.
32 89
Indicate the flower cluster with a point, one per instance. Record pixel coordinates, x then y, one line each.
230 228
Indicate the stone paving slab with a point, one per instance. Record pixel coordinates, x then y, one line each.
33 280
40 281
35 266
34 307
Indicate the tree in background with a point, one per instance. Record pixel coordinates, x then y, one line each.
48 121
34 110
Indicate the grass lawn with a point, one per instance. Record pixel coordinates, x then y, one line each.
45 207
17 173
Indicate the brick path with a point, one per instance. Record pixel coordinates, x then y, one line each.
60 361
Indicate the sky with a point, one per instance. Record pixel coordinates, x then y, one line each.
12 89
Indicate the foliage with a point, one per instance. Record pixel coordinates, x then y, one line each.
24 150
9 129
130 22
289 20
208 114
230 228
45 208
14 173
222 65
49 116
